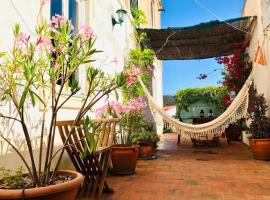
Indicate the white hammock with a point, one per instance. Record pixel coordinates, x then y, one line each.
236 111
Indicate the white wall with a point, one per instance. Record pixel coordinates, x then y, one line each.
114 41
260 9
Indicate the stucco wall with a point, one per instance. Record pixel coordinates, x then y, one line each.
260 9
114 41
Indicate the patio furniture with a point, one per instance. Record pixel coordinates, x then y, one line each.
203 139
93 166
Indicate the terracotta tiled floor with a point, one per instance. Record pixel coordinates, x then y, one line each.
184 172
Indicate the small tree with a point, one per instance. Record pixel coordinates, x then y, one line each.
38 69
257 111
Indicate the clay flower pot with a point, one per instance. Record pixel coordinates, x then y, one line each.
62 191
260 148
124 159
146 151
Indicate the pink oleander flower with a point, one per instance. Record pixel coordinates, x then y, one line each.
44 41
132 75
56 66
42 2
22 38
57 20
132 107
115 60
86 31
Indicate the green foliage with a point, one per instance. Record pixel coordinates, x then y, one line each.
132 123
139 17
141 57
257 112
169 100
12 180
168 130
135 90
212 95
144 138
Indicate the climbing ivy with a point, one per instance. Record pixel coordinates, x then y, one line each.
212 95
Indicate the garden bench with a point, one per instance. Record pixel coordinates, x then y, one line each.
93 166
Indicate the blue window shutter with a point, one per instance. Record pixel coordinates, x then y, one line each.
72 15
56 7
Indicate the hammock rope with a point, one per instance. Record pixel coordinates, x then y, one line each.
237 110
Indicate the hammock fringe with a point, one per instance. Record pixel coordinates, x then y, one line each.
237 110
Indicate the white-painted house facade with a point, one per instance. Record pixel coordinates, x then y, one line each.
114 41
261 37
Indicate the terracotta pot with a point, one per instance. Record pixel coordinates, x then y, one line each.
233 133
146 151
124 159
260 148
62 191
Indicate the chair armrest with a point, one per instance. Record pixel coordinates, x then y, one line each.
103 149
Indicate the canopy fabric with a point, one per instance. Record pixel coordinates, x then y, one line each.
204 40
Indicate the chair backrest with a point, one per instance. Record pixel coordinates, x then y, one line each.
77 142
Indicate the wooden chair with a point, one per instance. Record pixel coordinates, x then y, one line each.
93 166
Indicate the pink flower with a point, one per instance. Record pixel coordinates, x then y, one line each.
132 107
44 41
57 20
132 75
56 66
42 2
86 31
115 60
22 38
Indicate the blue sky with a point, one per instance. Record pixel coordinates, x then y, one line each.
179 13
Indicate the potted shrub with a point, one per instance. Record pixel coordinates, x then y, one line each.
124 154
35 74
259 126
147 141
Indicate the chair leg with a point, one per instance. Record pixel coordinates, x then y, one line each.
178 139
103 165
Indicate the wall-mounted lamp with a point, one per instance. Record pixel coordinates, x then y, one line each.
121 16
202 113
210 113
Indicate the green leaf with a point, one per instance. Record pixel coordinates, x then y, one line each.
38 97
88 61
23 97
87 120
2 54
32 98
116 95
16 30
67 84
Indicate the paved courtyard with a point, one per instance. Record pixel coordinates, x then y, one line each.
184 173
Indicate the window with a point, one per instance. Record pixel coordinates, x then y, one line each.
56 7
153 13
73 17
72 13
133 4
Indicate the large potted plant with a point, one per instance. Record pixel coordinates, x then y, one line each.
124 154
147 141
259 126
36 75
